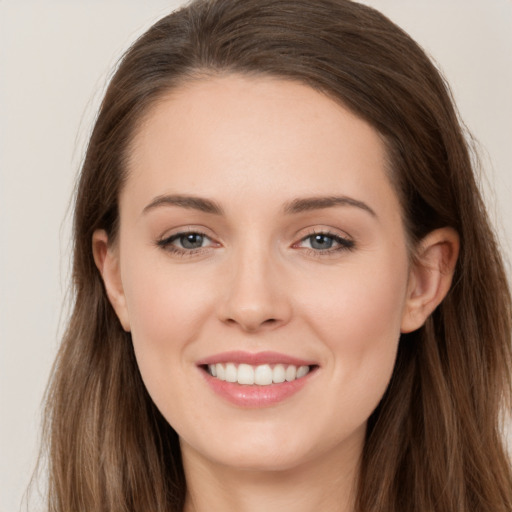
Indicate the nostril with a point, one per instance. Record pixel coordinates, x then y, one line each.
252 324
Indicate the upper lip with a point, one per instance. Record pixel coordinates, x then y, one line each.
254 359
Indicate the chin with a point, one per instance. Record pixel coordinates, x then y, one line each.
275 449
270 459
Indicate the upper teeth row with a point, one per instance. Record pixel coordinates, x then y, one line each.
261 375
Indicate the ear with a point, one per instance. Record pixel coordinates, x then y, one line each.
430 277
106 257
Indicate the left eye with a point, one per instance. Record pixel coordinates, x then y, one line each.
325 242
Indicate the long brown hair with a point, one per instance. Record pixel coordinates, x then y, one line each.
434 441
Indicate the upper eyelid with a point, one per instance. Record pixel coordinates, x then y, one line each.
185 230
327 234
177 236
343 240
322 230
167 240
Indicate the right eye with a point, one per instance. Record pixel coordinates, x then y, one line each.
185 242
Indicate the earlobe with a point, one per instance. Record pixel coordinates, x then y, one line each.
430 277
106 258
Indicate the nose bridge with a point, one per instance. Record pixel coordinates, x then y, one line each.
255 295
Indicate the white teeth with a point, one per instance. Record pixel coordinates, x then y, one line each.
291 373
261 375
302 371
278 374
221 373
245 374
231 373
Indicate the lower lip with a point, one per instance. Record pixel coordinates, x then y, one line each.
252 396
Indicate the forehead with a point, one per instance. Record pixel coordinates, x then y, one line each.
246 137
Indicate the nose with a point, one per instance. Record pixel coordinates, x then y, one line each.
255 296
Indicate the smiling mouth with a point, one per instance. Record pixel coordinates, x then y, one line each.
257 375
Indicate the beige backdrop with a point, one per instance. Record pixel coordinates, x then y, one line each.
55 57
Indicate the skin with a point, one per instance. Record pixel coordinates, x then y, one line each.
253 146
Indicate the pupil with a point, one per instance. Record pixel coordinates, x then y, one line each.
192 241
321 242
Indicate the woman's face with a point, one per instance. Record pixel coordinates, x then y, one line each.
260 240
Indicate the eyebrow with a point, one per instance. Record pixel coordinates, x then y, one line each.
319 203
183 201
296 206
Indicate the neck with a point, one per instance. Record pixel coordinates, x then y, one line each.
328 484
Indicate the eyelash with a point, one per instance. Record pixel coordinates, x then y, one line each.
343 244
167 243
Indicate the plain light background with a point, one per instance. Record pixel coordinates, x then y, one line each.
55 58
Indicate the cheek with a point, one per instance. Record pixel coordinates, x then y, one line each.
162 297
358 317
356 300
166 312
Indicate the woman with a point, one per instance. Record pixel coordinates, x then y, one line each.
288 295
